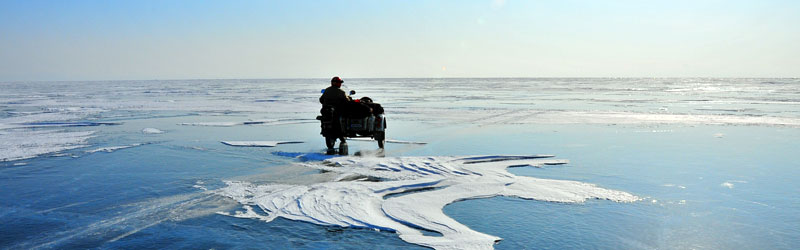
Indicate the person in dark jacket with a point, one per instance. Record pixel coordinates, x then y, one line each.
335 97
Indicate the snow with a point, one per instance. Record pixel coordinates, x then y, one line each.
25 144
411 196
19 140
152 131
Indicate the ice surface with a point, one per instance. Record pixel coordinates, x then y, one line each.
21 120
305 156
251 122
19 140
212 124
114 148
411 195
451 101
655 118
24 144
257 143
38 117
66 124
132 218
152 131
388 141
534 116
41 119
730 184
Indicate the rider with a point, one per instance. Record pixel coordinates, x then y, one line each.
335 96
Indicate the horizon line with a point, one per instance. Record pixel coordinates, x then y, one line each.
500 77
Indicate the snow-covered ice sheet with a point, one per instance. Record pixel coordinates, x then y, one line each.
410 196
30 134
24 144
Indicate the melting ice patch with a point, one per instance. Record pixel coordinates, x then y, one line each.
409 196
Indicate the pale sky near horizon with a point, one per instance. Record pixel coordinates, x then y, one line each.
185 39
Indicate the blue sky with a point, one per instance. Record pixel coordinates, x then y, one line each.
108 40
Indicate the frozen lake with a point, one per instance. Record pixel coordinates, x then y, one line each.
652 164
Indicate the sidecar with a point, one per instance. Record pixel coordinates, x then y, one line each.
342 123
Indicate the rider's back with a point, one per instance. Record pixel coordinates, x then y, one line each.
333 96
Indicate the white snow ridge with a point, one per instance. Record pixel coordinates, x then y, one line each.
410 195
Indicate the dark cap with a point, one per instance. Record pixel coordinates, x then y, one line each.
336 79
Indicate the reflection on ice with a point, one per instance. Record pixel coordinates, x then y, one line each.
410 194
